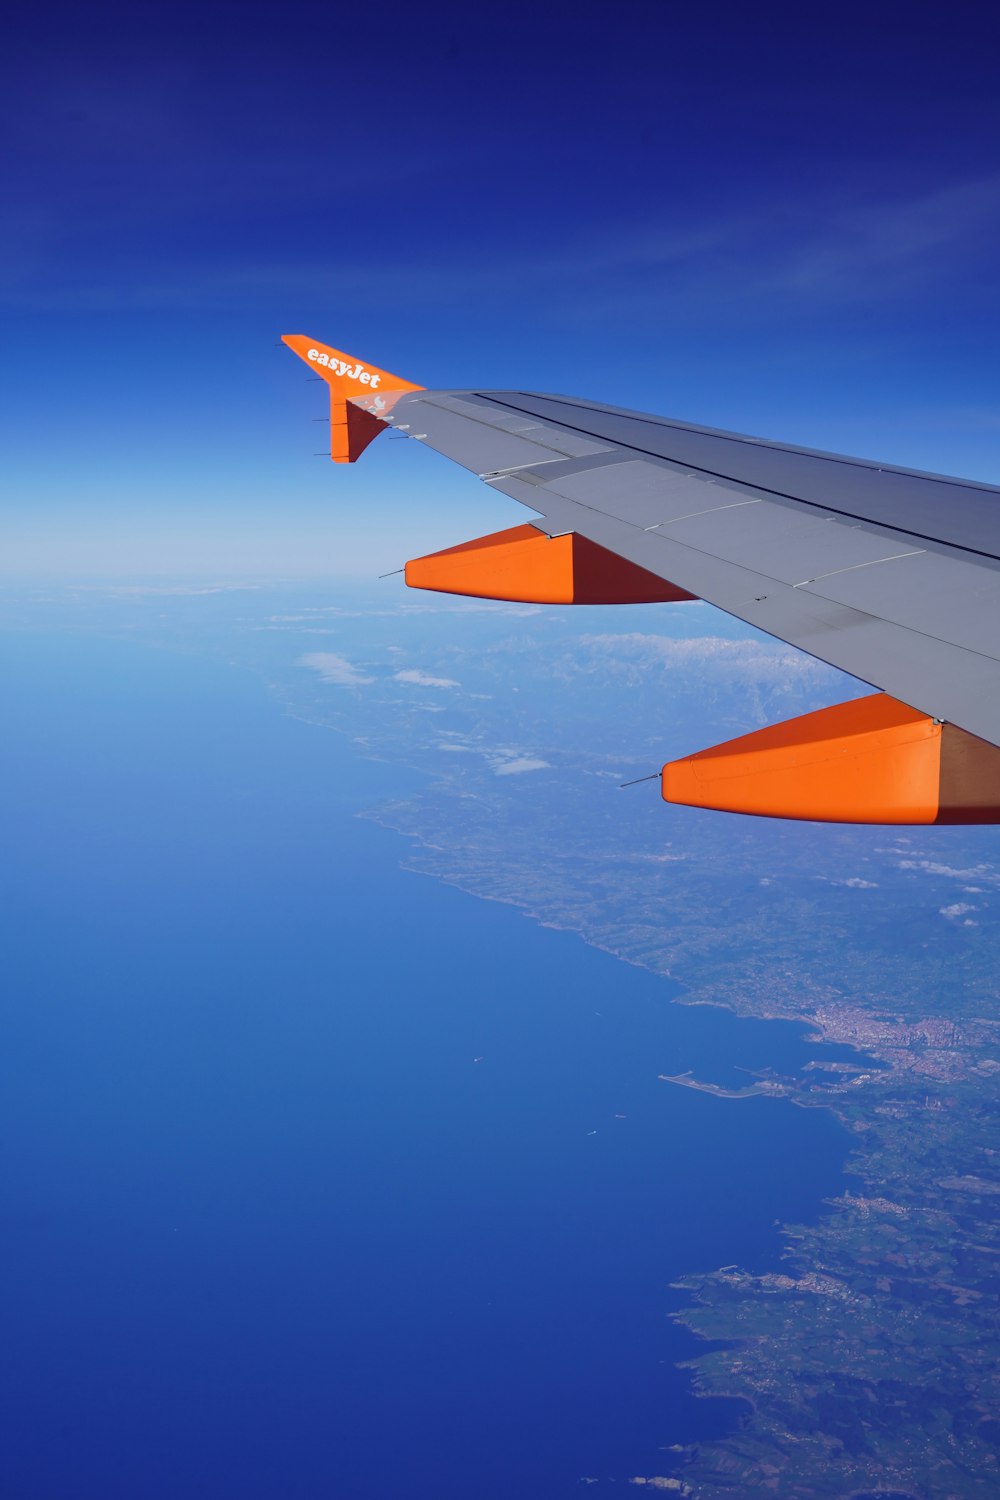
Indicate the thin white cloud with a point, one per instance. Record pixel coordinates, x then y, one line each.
835 247
934 867
760 660
520 765
187 590
417 678
334 668
892 237
958 909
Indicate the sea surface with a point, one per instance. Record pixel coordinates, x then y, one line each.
322 1178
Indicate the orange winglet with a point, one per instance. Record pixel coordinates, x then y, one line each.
358 395
526 565
874 760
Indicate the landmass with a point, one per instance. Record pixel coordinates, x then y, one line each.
772 1086
868 1355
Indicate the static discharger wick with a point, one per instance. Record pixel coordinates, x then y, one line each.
393 573
623 784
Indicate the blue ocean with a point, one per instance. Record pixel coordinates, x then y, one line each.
323 1178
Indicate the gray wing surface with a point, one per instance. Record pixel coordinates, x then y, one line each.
889 574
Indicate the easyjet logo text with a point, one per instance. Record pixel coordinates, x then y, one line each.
340 367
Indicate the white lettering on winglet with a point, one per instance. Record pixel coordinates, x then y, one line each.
343 369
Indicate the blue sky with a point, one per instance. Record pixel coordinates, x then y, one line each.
780 220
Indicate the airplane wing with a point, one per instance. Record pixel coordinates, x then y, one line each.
889 574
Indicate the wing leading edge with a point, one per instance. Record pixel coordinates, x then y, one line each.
889 574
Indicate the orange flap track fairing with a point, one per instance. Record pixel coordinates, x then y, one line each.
526 565
873 760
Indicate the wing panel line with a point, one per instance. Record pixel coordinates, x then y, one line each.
784 495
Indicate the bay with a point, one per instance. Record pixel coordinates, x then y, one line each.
323 1178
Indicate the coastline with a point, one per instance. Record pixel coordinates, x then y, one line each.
915 1117
902 1062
